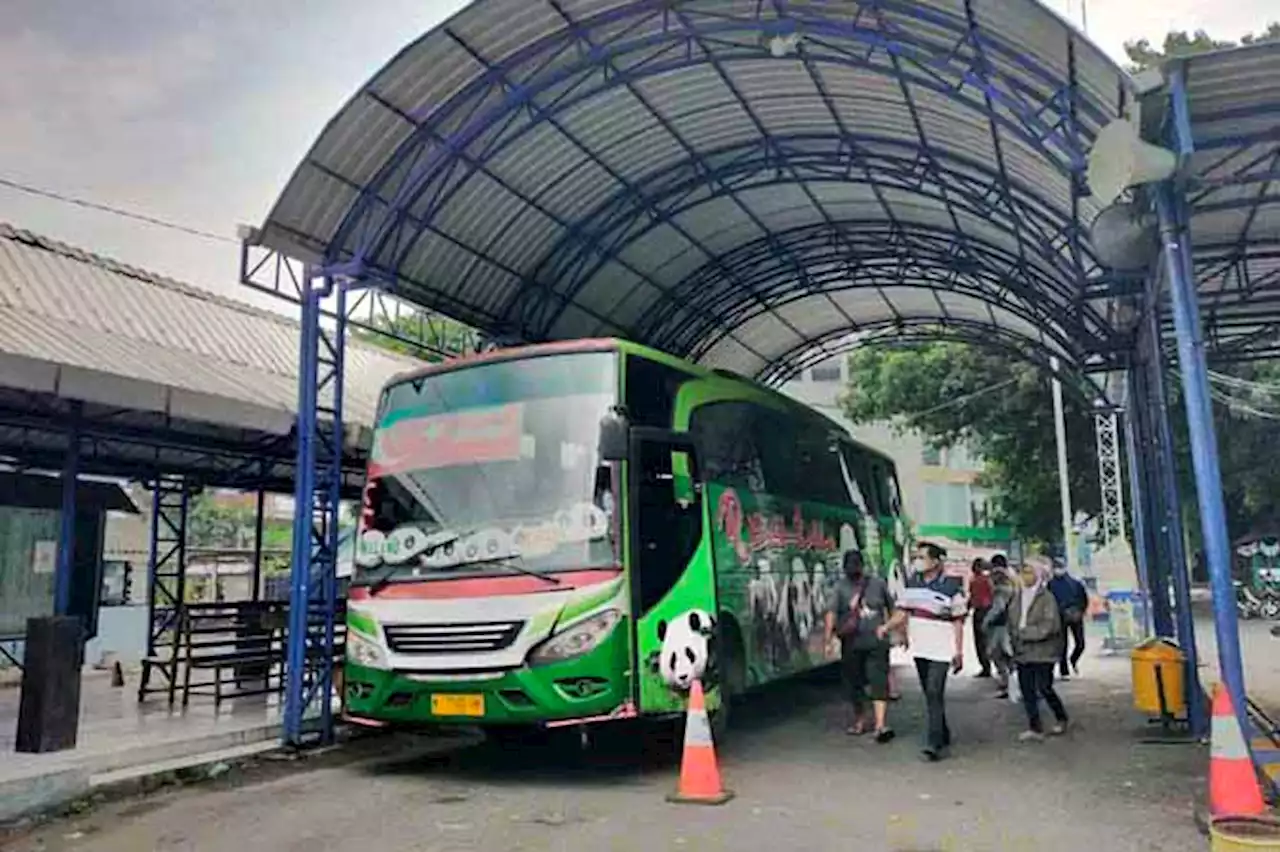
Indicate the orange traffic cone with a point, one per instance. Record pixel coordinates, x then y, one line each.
699 773
1233 782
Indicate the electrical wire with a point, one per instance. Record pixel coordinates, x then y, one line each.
963 399
115 211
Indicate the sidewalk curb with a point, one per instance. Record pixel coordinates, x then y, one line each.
42 791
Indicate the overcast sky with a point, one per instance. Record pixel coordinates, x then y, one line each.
197 110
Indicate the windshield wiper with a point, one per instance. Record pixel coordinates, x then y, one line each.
515 563
383 579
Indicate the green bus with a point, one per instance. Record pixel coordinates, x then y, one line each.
573 532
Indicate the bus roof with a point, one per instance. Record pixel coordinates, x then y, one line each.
607 344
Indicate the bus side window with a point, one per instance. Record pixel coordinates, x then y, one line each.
727 444
855 479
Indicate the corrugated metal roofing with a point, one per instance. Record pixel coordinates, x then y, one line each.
552 169
85 327
1234 200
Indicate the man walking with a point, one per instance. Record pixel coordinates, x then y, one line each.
980 597
1073 603
934 608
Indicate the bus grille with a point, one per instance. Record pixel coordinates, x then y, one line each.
465 638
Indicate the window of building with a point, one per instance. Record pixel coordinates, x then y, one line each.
931 456
946 504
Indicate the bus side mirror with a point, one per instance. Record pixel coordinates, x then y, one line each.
615 436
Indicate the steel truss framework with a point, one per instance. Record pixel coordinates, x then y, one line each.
758 234
1110 482
989 217
313 580
166 583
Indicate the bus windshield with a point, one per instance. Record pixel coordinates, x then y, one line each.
490 469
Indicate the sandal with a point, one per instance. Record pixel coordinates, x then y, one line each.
885 735
855 730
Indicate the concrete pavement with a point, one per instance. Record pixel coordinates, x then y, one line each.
801 784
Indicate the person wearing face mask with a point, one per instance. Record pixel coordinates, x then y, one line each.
858 614
934 609
1035 628
1073 602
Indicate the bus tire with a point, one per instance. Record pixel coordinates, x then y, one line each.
733 676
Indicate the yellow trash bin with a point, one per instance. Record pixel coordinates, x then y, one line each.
1157 672
1244 834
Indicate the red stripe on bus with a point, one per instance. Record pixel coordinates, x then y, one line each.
483 587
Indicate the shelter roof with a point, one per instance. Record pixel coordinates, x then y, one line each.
167 378
81 326
1233 119
741 183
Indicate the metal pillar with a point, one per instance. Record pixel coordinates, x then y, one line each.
1064 481
1149 501
1107 430
1171 516
257 544
64 572
1142 550
166 579
313 584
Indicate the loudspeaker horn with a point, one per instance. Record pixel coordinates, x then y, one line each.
1120 159
1124 237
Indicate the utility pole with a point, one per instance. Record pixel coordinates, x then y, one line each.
1064 484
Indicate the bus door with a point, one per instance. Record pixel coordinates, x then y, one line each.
672 582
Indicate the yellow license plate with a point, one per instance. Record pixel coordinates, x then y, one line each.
457 705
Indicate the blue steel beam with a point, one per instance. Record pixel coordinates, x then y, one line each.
934 65
521 96
312 573
64 572
1139 516
903 331
1176 239
1176 564
881 260
1149 490
680 189
373 312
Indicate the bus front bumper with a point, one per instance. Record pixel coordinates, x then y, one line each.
589 686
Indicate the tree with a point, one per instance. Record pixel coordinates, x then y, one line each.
1178 43
999 406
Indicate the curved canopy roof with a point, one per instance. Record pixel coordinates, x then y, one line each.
741 182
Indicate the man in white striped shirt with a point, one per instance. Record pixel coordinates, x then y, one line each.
934 607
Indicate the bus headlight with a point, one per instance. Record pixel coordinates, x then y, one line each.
364 652
576 639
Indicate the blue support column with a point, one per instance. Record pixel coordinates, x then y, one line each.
1138 509
259 507
313 582
295 699
64 572
1204 447
1146 457
1176 243
1178 564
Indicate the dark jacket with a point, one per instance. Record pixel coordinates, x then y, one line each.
1040 641
1070 593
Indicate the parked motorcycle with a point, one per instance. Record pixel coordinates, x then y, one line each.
1270 598
1248 604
